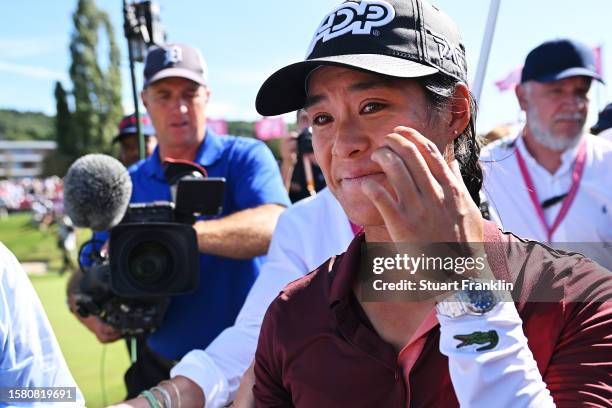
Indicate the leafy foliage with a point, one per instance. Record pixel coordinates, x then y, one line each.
64 129
96 91
15 125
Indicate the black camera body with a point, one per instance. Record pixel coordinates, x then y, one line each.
142 27
153 258
152 255
304 142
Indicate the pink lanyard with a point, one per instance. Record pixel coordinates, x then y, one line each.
356 228
567 202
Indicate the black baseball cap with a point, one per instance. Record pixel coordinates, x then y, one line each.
175 60
604 121
399 38
559 59
127 127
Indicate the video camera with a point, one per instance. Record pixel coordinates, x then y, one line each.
152 254
142 27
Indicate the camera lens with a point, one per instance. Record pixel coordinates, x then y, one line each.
149 263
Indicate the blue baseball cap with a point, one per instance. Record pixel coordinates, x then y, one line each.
175 60
127 126
559 59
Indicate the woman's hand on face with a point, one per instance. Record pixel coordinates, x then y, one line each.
429 201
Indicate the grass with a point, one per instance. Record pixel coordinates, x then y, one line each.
81 349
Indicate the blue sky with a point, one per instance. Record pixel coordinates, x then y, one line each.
244 41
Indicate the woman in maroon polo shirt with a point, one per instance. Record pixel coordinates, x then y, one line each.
384 85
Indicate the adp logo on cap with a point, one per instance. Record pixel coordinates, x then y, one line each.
354 18
448 51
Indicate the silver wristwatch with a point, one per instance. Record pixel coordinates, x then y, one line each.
469 302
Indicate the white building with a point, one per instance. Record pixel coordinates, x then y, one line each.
23 158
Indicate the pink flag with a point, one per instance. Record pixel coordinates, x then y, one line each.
219 126
270 128
598 60
510 81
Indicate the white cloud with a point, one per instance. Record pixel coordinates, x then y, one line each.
252 75
230 111
239 77
32 71
18 48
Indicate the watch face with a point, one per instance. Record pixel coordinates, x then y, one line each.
480 301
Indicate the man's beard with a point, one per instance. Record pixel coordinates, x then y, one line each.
549 139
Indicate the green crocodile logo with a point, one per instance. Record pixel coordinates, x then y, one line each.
489 338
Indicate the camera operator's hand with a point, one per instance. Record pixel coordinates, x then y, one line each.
104 332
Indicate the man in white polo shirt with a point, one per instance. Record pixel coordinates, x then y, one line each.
553 182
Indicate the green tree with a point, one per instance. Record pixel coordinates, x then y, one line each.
58 161
110 100
64 134
96 91
15 125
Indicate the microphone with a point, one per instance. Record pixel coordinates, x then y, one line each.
97 192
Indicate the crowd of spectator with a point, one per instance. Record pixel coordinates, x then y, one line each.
41 195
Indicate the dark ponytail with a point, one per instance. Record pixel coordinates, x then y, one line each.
439 89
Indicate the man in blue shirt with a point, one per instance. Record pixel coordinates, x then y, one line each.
231 245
